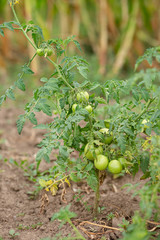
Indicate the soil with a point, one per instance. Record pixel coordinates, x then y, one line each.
22 213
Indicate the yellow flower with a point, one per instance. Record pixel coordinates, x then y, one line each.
13 2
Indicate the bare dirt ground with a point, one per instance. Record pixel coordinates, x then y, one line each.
20 212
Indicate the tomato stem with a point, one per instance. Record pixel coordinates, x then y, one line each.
97 194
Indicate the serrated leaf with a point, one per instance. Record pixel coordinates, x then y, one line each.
100 100
128 131
121 140
8 25
42 106
32 118
89 166
94 86
2 99
40 154
92 181
44 79
37 35
74 177
77 44
20 84
135 94
1 32
20 123
144 162
41 126
83 71
26 69
10 94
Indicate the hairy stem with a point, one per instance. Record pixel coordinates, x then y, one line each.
15 15
97 195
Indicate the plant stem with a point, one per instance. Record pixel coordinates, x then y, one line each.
97 195
75 229
145 109
63 78
15 15
33 45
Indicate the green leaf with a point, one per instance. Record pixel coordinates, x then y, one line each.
144 162
37 35
44 79
12 232
94 86
8 25
2 99
20 84
42 106
32 118
26 69
92 181
1 32
100 100
10 94
135 94
89 166
77 44
64 214
83 71
121 140
20 123
41 126
40 154
74 177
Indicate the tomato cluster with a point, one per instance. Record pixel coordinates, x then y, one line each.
47 51
82 98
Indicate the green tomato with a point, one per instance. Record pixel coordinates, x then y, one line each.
101 162
107 123
74 106
48 51
107 138
83 96
89 108
90 149
122 161
115 166
40 52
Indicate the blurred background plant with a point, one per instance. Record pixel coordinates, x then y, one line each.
112 33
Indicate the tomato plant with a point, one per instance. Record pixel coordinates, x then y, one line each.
78 126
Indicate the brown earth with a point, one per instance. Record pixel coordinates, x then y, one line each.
20 212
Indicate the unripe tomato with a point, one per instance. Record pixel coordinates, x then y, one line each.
107 123
83 96
89 108
49 51
89 149
74 106
115 166
101 162
107 138
122 161
40 52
